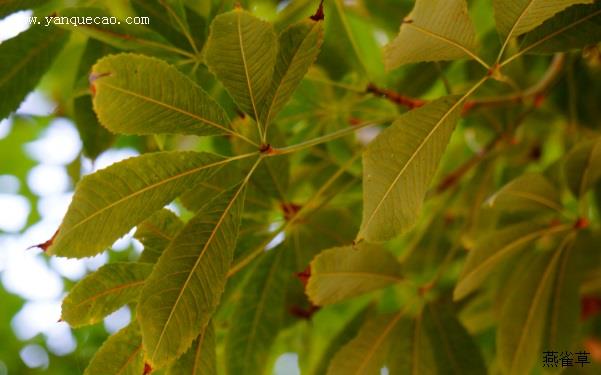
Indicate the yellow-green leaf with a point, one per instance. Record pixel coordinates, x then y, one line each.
435 30
120 354
299 46
582 167
136 94
23 61
530 192
349 271
241 52
366 353
108 203
156 233
399 166
104 291
186 284
200 359
517 17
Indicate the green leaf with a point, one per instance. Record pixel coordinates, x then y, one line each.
410 349
200 359
349 271
108 203
399 166
163 21
241 52
299 46
582 167
258 314
529 192
23 61
104 291
517 17
454 350
524 313
435 30
135 94
366 353
10 6
120 354
156 232
186 284
494 249
94 137
574 28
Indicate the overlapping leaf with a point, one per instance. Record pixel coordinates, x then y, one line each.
186 284
399 166
23 61
108 203
515 18
258 314
348 271
582 167
200 359
156 233
530 192
495 248
241 52
435 30
299 46
135 94
103 292
366 353
574 28
120 354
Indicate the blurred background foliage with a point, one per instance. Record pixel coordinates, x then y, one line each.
54 139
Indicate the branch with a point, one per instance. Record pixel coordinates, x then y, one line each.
536 91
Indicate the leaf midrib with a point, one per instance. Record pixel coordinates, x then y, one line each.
378 342
244 63
109 291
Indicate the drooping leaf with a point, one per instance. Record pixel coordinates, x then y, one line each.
366 353
454 350
258 314
399 166
23 61
200 359
435 30
156 232
529 192
135 94
515 18
524 312
582 167
108 203
241 52
574 28
299 46
104 291
348 271
495 248
121 354
186 284
94 137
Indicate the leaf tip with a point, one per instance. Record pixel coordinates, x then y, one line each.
147 368
45 245
319 14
